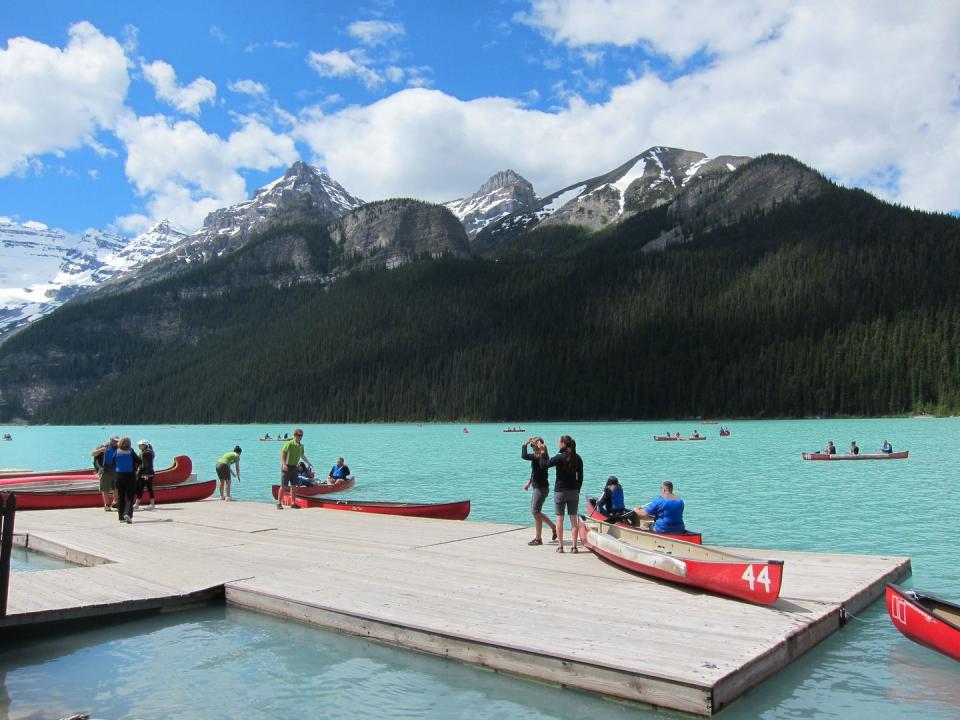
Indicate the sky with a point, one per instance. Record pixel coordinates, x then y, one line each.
117 115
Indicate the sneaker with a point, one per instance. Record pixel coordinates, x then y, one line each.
129 521
222 497
279 506
153 505
294 506
554 538
106 508
230 499
535 541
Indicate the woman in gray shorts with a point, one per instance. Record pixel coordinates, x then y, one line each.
541 484
566 490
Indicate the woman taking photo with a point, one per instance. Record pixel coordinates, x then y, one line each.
541 485
566 489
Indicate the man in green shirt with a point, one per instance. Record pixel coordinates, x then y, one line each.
290 457
224 471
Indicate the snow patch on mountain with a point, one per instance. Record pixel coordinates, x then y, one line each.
501 195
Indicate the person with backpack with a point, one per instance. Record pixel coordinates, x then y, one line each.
105 465
145 475
127 462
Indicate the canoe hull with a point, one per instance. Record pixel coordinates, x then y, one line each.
63 499
700 566
177 473
439 511
687 536
862 456
313 490
913 614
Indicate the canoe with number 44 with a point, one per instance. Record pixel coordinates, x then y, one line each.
701 566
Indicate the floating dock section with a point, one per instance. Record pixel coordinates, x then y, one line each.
470 591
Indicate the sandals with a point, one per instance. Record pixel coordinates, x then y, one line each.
535 541
574 549
560 549
554 538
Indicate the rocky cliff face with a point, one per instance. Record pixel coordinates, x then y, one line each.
392 232
505 193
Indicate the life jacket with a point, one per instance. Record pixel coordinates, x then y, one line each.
616 498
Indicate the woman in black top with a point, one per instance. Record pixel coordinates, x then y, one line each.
145 476
541 484
566 490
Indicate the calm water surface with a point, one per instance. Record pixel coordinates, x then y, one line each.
749 490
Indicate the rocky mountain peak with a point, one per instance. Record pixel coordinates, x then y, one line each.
504 193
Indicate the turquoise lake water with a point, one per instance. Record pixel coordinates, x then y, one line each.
750 490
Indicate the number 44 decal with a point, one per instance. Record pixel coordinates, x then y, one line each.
763 578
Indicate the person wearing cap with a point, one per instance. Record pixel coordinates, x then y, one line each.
611 502
104 460
224 471
540 481
145 475
290 456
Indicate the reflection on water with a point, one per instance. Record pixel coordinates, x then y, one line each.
24 560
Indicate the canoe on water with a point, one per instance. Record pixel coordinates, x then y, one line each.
177 473
645 525
440 511
313 490
862 456
925 619
666 438
62 499
699 566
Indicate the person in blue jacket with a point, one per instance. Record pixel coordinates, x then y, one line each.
338 473
667 510
127 462
886 448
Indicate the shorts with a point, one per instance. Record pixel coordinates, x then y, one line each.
289 476
568 500
537 499
108 480
223 471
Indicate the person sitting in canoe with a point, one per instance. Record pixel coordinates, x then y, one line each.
610 503
830 449
667 510
696 434
886 448
266 437
305 475
338 473
854 448
677 436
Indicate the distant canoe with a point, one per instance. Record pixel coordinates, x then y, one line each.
666 438
60 479
700 566
697 437
925 619
724 433
439 511
92 497
862 456
313 490
514 430
687 535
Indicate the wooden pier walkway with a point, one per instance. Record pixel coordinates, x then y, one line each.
471 591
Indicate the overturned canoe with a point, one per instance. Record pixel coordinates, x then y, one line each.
862 456
645 525
62 499
440 511
700 566
925 619
313 490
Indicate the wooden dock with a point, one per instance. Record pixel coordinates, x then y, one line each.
470 591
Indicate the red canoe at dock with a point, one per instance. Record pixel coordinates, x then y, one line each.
88 498
313 490
699 566
439 511
925 619
687 535
70 479
862 456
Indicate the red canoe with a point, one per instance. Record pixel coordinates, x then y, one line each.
925 619
440 511
862 456
68 479
700 566
666 438
314 490
61 499
687 535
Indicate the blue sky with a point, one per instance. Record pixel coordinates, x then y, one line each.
121 114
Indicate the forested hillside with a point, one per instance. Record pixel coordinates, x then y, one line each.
837 305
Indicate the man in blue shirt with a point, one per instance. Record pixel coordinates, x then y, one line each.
338 473
667 510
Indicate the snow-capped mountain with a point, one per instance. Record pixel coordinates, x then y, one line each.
304 192
650 179
41 267
505 193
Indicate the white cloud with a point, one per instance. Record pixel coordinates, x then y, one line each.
186 98
248 87
56 99
374 32
864 91
340 64
677 29
217 34
185 172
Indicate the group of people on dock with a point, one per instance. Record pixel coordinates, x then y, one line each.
666 510
885 448
124 474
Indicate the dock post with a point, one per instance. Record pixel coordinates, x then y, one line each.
8 508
